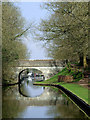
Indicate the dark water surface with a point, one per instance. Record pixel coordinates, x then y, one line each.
42 103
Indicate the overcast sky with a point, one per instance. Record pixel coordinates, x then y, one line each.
33 12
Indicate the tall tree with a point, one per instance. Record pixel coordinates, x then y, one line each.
13 27
66 30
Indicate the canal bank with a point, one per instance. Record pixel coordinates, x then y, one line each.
82 105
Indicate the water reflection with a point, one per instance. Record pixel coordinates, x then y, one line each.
26 88
64 111
34 108
11 108
50 104
36 112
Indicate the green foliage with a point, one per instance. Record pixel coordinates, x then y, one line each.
66 30
69 65
12 46
77 75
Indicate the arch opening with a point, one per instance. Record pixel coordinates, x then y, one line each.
34 74
26 78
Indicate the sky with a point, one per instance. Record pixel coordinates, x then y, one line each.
32 12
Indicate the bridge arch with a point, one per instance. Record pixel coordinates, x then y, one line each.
47 67
46 71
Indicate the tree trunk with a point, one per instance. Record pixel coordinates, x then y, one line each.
85 61
81 60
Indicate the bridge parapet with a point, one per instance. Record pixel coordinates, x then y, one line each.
41 63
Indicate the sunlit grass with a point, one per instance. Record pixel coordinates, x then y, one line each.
78 90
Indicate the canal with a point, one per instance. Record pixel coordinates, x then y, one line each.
29 101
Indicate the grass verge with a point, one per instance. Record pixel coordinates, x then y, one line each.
78 90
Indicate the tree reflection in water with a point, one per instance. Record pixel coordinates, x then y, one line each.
11 108
62 111
55 106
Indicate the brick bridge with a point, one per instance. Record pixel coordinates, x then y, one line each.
47 66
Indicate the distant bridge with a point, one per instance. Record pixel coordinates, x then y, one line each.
47 66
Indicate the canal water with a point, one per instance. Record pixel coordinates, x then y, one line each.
29 101
27 89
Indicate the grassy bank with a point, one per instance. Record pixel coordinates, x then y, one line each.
78 90
76 76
